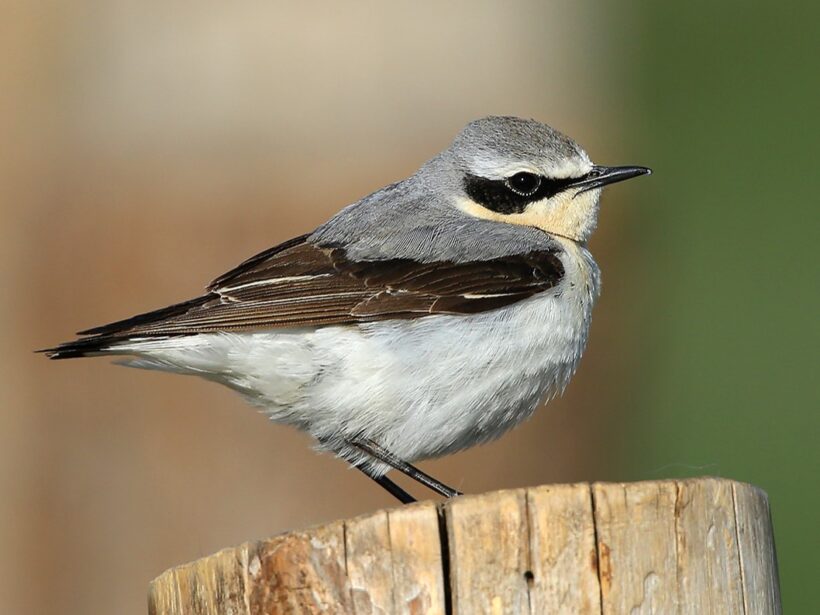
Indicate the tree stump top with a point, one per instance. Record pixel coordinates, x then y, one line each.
691 546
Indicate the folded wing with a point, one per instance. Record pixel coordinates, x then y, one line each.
299 284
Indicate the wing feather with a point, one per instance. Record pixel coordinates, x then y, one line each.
299 283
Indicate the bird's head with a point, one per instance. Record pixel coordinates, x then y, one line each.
523 172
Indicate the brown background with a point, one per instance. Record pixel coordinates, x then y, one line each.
146 149
158 147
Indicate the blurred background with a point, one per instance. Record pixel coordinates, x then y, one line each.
146 148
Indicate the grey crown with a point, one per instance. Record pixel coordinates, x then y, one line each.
417 218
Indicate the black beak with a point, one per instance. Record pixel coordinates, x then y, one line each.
601 176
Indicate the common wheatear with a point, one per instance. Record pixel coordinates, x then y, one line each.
430 316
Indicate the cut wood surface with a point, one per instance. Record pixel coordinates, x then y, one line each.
694 546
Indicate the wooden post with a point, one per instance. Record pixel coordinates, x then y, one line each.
692 546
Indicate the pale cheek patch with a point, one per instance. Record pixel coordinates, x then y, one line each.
565 215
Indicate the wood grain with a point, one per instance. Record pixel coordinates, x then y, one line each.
696 546
418 563
636 547
489 553
708 563
301 572
758 560
369 564
563 557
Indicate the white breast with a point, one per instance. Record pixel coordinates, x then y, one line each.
421 388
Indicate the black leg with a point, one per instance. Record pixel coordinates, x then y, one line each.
382 454
391 487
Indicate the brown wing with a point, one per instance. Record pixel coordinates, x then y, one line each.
301 284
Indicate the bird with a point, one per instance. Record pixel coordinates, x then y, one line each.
431 316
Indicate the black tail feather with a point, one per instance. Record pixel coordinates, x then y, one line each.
103 338
82 347
120 326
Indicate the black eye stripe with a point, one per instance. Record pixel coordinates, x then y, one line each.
496 194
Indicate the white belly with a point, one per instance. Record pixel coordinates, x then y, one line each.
421 388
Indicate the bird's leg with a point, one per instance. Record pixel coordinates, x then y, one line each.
385 483
382 454
391 487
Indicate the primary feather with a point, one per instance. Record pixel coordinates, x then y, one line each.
300 284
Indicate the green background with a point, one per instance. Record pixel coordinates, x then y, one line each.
726 99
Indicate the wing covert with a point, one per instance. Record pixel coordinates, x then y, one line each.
300 283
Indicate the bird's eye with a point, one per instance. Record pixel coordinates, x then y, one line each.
524 184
